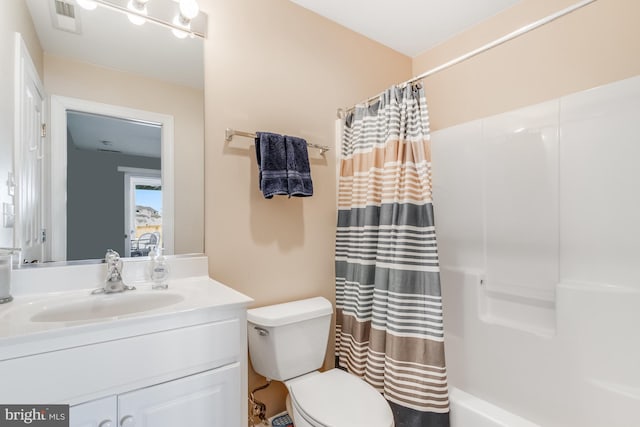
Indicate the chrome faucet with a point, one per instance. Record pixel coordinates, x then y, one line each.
113 282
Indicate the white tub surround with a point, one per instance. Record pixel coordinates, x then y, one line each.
537 213
129 352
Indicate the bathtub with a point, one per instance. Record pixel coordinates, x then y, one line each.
470 411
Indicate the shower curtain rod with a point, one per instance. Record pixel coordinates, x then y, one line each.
497 42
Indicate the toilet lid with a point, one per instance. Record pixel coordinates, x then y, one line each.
336 398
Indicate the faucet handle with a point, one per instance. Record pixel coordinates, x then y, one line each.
111 257
113 282
114 266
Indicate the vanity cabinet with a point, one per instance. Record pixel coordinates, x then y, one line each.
183 363
185 376
207 399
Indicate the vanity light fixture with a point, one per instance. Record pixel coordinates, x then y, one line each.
181 16
139 6
179 21
189 9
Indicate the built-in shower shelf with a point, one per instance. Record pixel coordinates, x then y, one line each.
531 312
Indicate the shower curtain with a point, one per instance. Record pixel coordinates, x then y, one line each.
389 327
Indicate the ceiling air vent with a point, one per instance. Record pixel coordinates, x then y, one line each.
63 16
65 9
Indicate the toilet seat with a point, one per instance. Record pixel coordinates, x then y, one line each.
338 399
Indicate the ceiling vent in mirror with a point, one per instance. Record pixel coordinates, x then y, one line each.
63 16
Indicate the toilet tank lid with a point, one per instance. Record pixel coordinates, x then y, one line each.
290 312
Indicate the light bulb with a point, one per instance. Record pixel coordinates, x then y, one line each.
189 8
87 4
180 23
137 6
135 19
179 34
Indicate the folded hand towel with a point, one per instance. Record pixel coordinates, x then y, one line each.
272 163
298 170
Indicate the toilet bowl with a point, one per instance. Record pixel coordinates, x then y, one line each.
288 342
337 398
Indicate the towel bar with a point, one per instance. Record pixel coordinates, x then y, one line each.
230 133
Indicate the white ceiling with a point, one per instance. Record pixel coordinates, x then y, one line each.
407 26
95 132
108 39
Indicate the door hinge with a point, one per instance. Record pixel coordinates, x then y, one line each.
44 235
43 130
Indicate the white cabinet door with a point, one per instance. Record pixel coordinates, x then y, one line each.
209 399
97 413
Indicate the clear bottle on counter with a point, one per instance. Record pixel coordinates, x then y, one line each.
160 271
152 261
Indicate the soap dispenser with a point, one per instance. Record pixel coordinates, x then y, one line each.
160 271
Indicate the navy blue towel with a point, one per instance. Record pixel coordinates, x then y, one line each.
298 170
272 163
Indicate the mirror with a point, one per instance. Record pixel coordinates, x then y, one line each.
100 149
122 163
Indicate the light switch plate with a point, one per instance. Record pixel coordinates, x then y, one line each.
8 215
11 184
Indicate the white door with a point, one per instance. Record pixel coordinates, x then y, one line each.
209 399
29 158
97 413
142 188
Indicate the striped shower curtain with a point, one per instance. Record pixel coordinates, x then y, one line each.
389 309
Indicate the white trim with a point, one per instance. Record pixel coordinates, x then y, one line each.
140 171
59 107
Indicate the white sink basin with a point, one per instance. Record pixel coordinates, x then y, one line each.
105 306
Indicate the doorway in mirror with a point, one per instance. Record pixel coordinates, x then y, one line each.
143 213
105 159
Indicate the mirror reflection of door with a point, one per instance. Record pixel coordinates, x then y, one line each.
103 154
29 161
143 213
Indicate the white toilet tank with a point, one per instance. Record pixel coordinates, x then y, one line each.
288 340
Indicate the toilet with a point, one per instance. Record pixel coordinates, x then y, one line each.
288 342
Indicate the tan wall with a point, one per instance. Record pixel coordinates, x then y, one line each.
81 80
14 17
271 65
597 44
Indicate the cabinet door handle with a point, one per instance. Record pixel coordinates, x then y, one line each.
106 423
127 421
